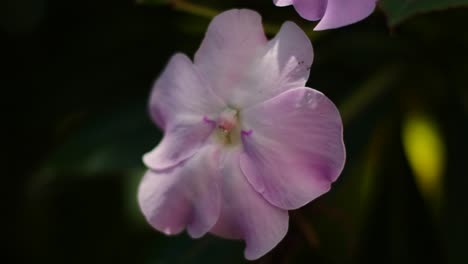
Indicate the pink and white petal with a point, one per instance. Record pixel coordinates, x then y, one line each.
283 2
246 214
185 196
295 150
344 12
181 91
180 142
284 63
232 39
311 9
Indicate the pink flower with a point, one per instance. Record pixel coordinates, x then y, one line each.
244 140
331 13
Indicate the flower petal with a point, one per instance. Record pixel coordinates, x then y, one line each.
232 39
243 67
283 2
295 150
283 64
246 214
181 91
341 13
186 196
311 9
180 142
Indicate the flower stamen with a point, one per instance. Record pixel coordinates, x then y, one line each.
228 131
247 132
209 121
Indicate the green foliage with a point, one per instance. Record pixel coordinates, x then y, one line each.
111 141
399 10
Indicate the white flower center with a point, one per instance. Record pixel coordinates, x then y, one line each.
228 130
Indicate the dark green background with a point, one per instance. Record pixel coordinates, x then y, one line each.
74 95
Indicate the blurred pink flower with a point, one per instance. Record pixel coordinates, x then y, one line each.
331 13
244 140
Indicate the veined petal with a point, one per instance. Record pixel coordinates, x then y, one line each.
181 92
341 13
311 9
295 150
232 39
246 214
283 2
181 141
185 196
284 63
243 67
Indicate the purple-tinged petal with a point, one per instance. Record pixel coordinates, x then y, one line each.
246 214
344 12
185 196
232 39
310 9
283 2
243 67
295 150
180 142
284 63
181 91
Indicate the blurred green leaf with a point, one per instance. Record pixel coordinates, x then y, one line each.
371 89
111 141
182 5
399 10
21 16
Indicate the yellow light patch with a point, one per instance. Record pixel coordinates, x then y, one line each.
425 151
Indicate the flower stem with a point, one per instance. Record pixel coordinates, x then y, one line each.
367 93
195 9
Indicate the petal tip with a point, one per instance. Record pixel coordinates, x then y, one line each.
282 3
290 29
146 160
337 16
193 233
253 253
237 13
